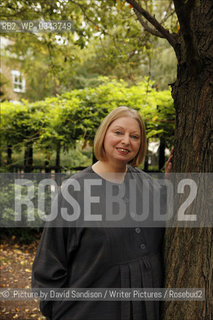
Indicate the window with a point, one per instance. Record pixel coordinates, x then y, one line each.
18 81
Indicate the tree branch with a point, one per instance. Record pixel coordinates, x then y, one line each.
146 27
164 32
170 12
83 9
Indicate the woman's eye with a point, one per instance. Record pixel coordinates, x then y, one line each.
117 132
135 137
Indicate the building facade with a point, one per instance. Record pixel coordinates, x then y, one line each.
13 81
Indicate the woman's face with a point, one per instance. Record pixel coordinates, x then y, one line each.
122 140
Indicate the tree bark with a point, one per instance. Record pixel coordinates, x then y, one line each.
189 251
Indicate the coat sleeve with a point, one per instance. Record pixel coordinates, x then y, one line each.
50 265
54 254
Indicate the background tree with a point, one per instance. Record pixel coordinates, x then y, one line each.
106 41
57 124
21 126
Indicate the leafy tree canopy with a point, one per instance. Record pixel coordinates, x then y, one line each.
106 40
77 114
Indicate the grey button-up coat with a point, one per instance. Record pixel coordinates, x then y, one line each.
99 257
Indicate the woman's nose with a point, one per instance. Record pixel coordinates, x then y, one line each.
125 139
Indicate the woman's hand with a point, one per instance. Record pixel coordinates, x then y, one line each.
168 166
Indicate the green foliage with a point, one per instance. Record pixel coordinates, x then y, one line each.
76 115
21 123
106 40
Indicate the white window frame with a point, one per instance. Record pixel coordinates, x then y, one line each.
19 82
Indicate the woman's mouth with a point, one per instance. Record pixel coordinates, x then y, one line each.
123 151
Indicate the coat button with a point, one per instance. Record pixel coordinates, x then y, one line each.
142 246
137 230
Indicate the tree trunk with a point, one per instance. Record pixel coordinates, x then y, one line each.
189 251
28 157
146 160
161 161
57 160
9 154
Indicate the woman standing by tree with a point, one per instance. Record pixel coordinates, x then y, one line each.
104 257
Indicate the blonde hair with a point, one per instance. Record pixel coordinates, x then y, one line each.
101 132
